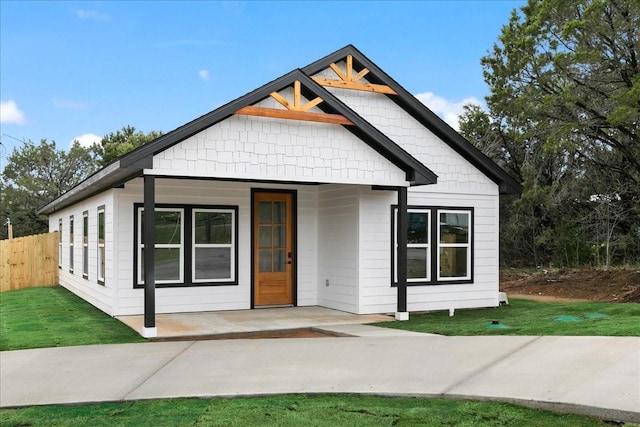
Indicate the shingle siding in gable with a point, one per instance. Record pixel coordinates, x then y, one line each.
242 147
455 174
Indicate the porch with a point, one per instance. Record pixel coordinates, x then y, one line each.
246 323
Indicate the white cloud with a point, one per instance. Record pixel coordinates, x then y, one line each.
10 113
448 110
86 140
91 15
204 75
70 103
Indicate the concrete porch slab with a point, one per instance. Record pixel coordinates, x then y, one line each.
175 325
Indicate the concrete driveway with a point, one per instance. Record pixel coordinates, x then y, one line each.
590 375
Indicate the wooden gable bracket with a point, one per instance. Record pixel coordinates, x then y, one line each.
295 111
350 81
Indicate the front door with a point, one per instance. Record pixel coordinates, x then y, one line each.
273 256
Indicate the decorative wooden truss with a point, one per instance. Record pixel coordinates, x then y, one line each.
295 111
350 81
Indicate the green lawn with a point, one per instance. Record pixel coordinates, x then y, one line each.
54 317
524 317
294 410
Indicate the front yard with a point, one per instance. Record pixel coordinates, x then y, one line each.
524 317
54 317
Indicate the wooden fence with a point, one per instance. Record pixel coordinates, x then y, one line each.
29 261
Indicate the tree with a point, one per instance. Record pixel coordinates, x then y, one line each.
34 176
568 73
114 145
563 117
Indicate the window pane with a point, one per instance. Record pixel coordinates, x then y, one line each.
278 260
265 212
265 260
100 263
416 263
167 227
167 264
279 212
454 227
101 227
417 227
279 236
453 262
85 229
85 260
213 227
265 236
212 263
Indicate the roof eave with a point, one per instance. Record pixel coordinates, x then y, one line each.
420 112
105 178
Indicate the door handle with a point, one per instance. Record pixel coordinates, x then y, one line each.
289 257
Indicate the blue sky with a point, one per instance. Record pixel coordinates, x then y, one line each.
76 69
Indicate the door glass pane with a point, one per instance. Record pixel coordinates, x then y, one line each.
279 212
265 260
213 227
279 236
453 262
264 212
454 228
279 260
265 236
416 263
213 263
417 227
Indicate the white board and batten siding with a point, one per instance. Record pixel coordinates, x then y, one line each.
460 184
338 243
99 295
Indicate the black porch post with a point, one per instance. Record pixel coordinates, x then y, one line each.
149 257
402 249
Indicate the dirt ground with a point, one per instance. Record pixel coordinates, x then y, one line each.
614 285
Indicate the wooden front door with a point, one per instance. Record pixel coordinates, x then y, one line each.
273 258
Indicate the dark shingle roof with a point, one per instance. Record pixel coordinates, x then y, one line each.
132 164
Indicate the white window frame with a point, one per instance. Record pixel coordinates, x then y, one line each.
426 246
231 246
101 245
456 245
71 244
85 244
161 246
60 243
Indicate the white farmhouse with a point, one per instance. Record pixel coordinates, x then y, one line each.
330 186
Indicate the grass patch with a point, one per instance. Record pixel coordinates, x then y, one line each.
524 317
294 410
55 317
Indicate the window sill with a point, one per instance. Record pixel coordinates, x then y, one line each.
438 283
188 285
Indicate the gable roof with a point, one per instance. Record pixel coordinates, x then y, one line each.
417 173
132 164
420 112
